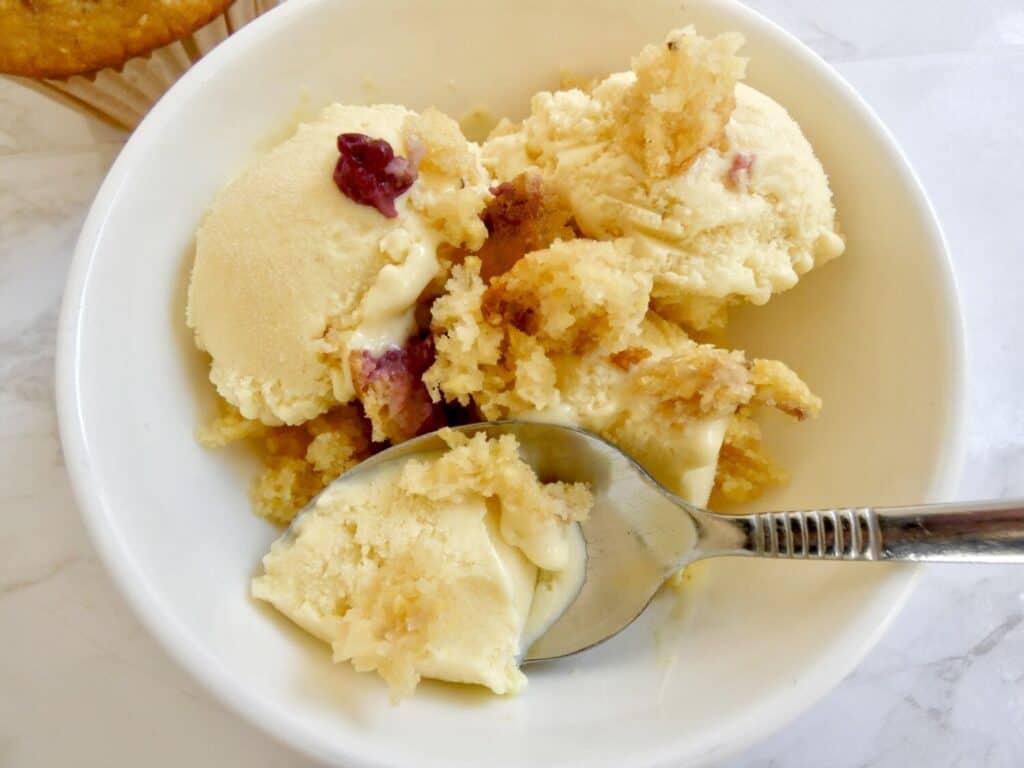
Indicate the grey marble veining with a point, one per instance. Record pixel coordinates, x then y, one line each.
945 686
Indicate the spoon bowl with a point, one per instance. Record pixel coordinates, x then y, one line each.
638 534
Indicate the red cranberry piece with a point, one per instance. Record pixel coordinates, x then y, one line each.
369 173
742 166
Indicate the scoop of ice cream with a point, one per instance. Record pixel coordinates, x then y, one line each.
728 205
428 568
292 275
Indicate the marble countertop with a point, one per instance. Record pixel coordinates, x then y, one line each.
82 684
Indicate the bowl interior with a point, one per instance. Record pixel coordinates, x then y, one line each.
748 644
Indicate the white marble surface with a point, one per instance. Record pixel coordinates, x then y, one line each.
82 684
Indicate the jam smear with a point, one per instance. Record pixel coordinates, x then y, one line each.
390 386
369 172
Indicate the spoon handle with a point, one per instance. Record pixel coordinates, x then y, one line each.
991 531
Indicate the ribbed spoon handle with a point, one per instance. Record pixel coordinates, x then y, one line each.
968 532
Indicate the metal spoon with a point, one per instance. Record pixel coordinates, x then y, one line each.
638 533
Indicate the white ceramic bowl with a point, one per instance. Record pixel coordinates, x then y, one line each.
876 333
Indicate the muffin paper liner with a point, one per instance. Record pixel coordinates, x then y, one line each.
123 96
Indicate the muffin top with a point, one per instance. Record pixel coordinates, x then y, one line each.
58 38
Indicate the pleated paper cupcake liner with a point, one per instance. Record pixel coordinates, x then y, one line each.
123 96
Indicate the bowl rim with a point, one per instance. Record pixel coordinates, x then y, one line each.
200 664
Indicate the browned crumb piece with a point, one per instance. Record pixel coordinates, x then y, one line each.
745 469
700 381
501 306
297 461
630 356
525 215
777 386
498 345
496 370
57 38
573 296
683 97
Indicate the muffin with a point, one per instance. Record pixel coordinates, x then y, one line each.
114 58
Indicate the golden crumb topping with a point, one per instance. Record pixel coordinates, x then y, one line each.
572 297
566 334
745 468
454 199
698 380
777 386
467 348
298 462
681 100
531 512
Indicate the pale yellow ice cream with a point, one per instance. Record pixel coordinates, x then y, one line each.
428 568
736 218
290 275
568 271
